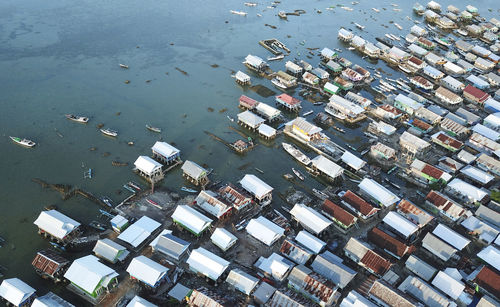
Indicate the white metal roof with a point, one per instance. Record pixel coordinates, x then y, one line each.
242 281
488 215
119 221
353 161
15 291
450 237
423 292
146 270
56 223
310 218
242 76
354 299
486 232
477 174
331 267
191 218
264 230
136 233
491 255
267 110
331 87
193 169
275 265
328 167
438 247
473 192
165 149
146 164
400 224
420 267
138 301
492 120
254 60
250 119
378 192
207 263
452 82
87 273
255 186
223 238
454 68
310 241
448 285
107 249
487 132
50 300
267 130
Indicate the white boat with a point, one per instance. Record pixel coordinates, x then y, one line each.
334 113
241 13
389 37
376 10
350 48
398 26
23 142
230 118
123 66
387 84
250 4
275 58
298 174
109 132
359 26
347 8
278 84
78 119
282 15
154 129
308 113
296 153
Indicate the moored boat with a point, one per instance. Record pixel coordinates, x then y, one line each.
241 13
107 201
154 129
359 26
97 225
308 113
298 174
78 119
296 153
123 66
185 189
23 142
278 84
109 132
275 58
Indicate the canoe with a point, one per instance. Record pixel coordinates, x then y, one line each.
298 174
154 129
23 142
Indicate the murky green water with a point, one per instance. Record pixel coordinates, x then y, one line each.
59 57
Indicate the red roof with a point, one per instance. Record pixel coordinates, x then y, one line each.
489 280
288 99
416 61
436 199
385 241
358 203
443 138
338 213
376 263
432 171
421 124
391 109
248 101
477 93
48 261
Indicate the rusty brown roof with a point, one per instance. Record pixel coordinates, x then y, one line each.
358 203
338 213
476 93
432 171
391 109
48 261
489 280
389 295
421 124
389 243
378 264
449 141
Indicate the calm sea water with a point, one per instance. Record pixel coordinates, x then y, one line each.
59 57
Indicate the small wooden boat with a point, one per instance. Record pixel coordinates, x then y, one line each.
134 185
350 48
107 201
153 203
123 66
282 15
338 129
57 246
298 174
259 170
230 118
106 214
23 142
97 225
128 188
154 129
318 103
78 119
275 58
308 113
241 13
185 189
359 26
109 132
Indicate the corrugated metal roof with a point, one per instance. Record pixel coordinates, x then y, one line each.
356 249
223 238
414 213
328 167
207 263
310 218
310 241
472 192
385 241
264 230
438 247
335 271
107 249
165 149
52 300
48 261
313 284
378 192
255 185
88 273
146 270
423 292
56 223
242 281
378 264
147 165
338 213
191 218
400 224
15 291
448 285
489 280
295 251
275 265
491 255
194 170
420 267
388 295
136 233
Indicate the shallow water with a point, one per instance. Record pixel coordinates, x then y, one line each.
59 57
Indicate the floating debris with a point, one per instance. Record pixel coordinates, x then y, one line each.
270 26
93 148
182 71
100 125
209 109
123 66
126 81
214 65
222 110
118 163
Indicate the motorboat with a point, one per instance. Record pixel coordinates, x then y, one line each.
359 26
296 153
298 174
154 129
308 113
123 66
241 13
109 132
23 142
186 189
275 58
78 119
